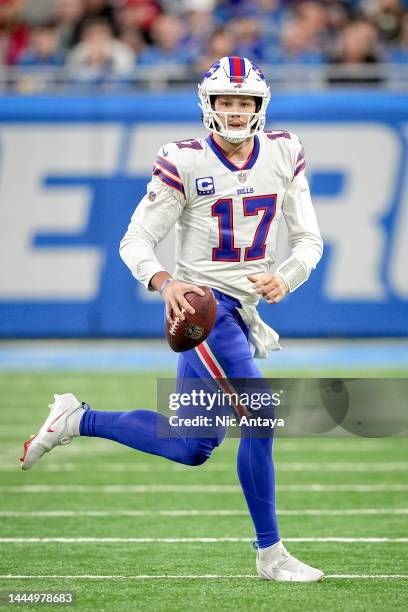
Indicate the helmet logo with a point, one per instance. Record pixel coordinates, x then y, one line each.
258 71
211 70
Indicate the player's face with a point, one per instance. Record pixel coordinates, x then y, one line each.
235 111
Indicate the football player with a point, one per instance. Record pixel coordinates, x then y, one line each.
227 195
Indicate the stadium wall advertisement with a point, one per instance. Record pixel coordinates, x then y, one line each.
73 168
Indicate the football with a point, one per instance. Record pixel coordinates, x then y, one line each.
187 334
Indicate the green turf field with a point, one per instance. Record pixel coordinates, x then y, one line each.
98 489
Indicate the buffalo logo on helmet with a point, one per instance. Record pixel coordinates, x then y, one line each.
258 71
213 68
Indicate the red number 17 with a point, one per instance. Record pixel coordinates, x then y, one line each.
226 251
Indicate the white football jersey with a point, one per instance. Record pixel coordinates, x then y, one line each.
226 217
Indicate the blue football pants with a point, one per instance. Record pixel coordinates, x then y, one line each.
225 355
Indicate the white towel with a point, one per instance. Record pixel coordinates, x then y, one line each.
262 337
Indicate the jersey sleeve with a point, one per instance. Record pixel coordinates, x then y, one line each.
304 236
153 218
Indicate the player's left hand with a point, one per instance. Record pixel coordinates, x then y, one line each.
270 286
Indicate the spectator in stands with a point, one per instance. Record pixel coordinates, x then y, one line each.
338 16
43 47
198 26
298 46
13 31
226 10
138 14
387 15
312 18
166 50
68 14
99 54
99 8
95 8
221 44
248 36
358 47
350 33
133 38
270 14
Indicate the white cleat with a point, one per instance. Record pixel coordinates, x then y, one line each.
275 563
60 427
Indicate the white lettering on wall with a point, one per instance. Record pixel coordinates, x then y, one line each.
30 154
351 223
397 268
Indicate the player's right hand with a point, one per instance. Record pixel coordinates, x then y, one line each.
176 304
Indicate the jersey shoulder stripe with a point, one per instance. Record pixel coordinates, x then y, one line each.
301 155
300 162
166 171
167 179
299 168
165 163
169 173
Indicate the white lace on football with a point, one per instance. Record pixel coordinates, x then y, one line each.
173 327
175 324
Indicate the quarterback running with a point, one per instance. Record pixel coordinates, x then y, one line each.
226 195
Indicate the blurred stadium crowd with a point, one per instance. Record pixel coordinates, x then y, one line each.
93 41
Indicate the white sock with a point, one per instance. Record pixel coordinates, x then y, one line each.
74 420
271 552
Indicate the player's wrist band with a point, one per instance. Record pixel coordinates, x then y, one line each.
293 272
164 285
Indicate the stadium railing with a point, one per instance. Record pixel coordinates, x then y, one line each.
386 76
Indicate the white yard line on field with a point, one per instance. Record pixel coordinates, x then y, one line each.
337 446
97 448
294 466
182 513
187 577
176 488
91 540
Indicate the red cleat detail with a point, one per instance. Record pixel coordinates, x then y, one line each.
26 447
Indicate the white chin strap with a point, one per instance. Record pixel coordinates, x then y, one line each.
235 137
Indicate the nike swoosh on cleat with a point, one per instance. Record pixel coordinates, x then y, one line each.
55 420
